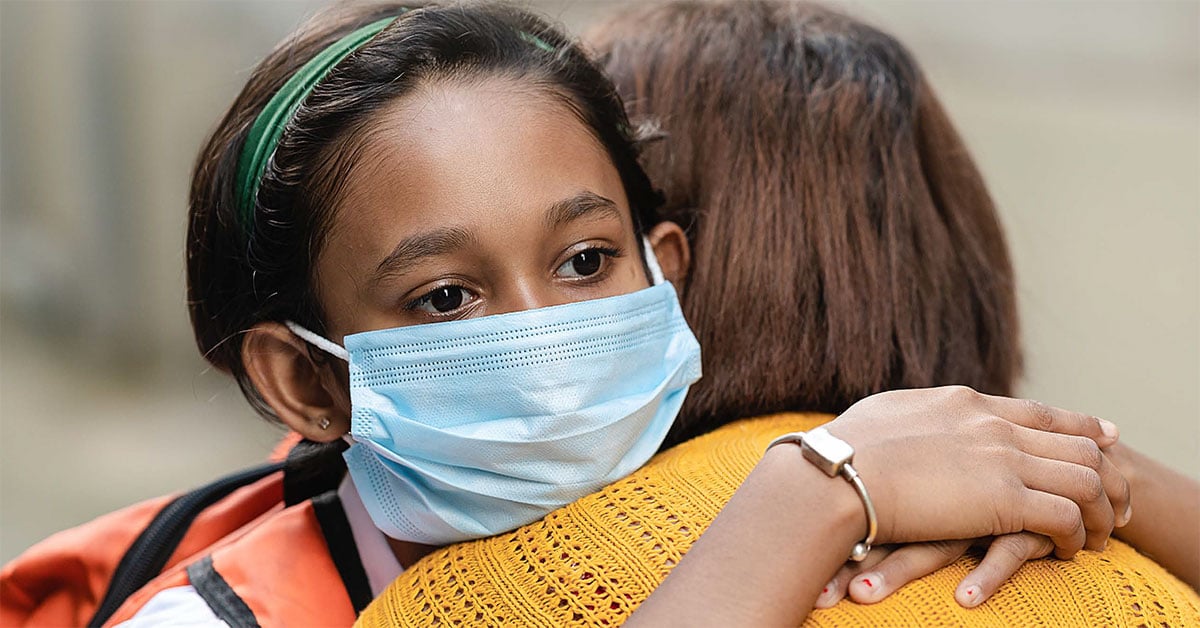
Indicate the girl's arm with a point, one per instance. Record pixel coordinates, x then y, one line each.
1166 520
939 464
765 558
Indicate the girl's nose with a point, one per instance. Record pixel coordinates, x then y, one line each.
528 295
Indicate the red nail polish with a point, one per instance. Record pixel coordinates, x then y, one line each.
825 590
868 582
971 592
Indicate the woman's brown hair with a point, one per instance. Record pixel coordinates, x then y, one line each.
844 242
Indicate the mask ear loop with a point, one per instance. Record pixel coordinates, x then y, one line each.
656 274
319 342
328 347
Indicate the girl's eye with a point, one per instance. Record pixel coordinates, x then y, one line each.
583 264
442 300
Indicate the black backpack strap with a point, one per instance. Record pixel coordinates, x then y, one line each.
148 554
335 527
225 603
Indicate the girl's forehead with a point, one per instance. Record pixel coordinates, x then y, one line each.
448 138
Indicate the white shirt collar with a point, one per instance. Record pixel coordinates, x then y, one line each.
376 555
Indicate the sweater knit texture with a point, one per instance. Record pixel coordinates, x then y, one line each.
592 562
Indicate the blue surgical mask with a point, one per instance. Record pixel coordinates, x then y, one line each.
470 428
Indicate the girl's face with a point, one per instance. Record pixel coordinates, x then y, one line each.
465 198
470 198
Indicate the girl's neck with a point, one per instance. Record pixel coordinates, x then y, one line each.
409 553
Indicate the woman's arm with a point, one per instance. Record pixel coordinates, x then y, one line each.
1166 520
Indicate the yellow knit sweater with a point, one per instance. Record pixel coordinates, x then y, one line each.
592 562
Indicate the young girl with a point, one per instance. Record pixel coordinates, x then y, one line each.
425 231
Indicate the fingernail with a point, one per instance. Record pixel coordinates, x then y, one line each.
825 600
873 583
1127 516
1109 429
971 596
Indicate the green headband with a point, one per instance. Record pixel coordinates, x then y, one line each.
268 127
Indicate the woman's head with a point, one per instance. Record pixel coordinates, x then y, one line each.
844 241
465 161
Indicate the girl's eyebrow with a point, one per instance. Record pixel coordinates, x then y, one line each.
445 240
582 205
412 249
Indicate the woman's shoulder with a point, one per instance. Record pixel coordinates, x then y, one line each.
745 439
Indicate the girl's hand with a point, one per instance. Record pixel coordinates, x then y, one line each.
880 575
887 568
951 463
1004 557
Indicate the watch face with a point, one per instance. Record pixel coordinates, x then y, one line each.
826 451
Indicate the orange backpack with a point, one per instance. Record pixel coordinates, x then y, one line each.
104 570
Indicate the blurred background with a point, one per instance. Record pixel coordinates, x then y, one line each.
1084 117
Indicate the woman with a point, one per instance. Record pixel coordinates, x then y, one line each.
831 203
904 278
427 230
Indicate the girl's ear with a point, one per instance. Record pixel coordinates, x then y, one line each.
673 252
307 395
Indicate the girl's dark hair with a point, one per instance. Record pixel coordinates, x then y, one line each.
843 240
243 274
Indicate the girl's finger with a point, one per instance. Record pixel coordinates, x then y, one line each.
1081 485
1039 416
835 590
902 566
833 593
1004 557
1054 516
1082 451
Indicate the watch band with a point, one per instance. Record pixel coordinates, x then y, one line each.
833 456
